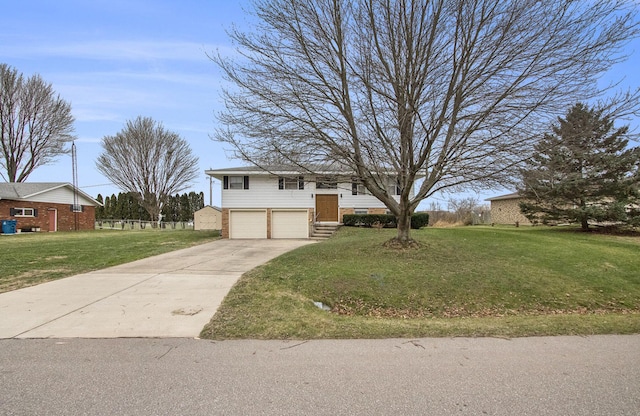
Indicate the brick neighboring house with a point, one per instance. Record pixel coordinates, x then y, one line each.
47 206
505 209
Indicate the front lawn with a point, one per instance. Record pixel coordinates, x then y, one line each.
468 281
27 259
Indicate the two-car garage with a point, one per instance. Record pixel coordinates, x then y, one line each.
285 223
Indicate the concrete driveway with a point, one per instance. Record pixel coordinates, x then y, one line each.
170 295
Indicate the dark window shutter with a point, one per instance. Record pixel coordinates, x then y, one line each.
225 182
12 212
81 208
280 183
354 188
35 212
246 182
300 182
398 187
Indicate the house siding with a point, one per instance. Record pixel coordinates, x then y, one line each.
507 211
263 193
61 195
66 219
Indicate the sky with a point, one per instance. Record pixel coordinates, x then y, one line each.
115 60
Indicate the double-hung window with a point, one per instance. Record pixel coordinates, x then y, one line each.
296 182
23 212
393 186
358 188
326 182
235 182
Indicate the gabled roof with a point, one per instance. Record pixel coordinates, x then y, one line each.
283 170
212 207
513 195
275 170
26 190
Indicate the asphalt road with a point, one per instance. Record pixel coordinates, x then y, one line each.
598 375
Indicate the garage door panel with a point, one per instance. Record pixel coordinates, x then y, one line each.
290 224
248 224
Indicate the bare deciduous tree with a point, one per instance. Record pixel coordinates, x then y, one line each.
35 124
148 161
443 94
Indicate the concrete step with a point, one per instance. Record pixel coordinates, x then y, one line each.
323 231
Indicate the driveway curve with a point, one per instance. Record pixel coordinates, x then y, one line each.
170 295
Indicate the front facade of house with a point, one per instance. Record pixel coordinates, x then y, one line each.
47 207
284 204
505 209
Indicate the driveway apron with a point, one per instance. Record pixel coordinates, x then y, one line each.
170 295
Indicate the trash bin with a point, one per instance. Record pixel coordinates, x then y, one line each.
9 226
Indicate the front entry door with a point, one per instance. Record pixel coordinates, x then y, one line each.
53 220
327 208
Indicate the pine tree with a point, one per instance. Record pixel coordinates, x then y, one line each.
583 171
170 210
186 212
100 208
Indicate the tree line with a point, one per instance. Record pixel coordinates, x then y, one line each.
126 206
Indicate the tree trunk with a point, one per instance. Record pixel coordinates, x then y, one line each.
585 224
404 227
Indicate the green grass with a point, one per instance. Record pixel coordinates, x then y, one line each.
27 259
467 281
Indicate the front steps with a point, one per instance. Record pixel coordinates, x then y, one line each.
323 231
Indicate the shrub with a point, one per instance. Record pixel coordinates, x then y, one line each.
386 220
368 220
419 220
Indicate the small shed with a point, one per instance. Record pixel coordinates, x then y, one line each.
505 209
207 218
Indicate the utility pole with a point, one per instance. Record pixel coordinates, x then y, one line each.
210 190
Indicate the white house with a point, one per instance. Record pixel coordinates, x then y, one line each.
282 203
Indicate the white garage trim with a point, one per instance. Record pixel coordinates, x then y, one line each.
290 223
248 223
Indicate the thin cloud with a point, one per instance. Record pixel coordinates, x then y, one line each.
112 50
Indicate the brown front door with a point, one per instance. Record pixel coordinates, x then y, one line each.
327 208
53 224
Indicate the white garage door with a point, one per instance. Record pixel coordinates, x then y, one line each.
289 224
248 224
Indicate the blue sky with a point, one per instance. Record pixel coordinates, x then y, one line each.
114 60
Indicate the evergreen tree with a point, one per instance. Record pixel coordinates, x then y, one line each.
106 209
113 207
197 201
121 206
583 171
170 210
186 212
100 209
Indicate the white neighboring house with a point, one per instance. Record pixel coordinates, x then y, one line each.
281 203
207 218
